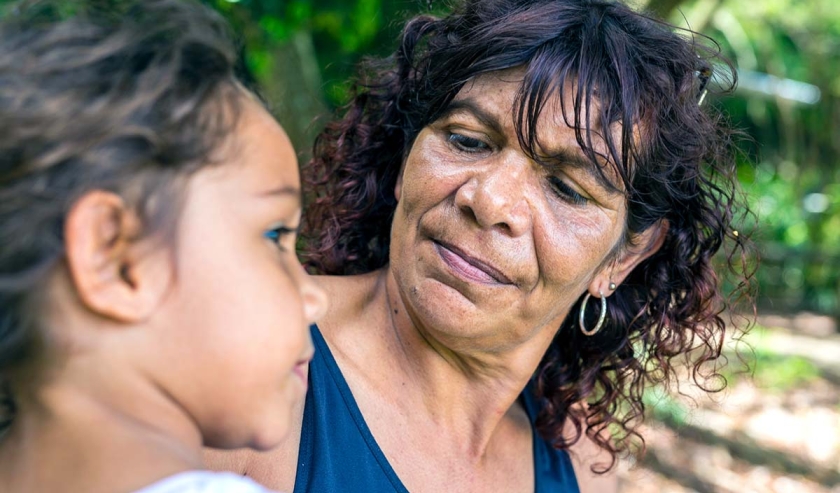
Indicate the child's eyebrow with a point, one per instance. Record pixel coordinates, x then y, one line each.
283 191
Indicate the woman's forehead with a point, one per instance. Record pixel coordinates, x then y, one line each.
502 94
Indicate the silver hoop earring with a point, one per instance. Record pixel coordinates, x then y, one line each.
601 317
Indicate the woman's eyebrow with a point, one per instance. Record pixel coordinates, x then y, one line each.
567 157
553 157
471 107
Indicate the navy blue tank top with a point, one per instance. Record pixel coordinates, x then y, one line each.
339 454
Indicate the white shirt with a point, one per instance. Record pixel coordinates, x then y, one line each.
204 482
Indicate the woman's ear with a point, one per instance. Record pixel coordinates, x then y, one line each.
644 245
106 267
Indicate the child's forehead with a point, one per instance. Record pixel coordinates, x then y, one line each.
257 157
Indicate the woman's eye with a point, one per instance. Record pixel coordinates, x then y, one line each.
467 144
277 234
565 192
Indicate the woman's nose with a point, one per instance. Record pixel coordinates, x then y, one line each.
495 196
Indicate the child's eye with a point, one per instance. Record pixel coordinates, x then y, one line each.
277 234
467 144
565 192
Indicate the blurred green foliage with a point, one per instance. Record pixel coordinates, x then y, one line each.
664 407
303 53
342 31
773 372
789 168
781 374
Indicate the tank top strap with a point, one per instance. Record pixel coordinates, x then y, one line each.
339 453
337 449
553 471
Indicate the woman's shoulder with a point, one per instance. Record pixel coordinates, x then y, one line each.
204 482
584 454
350 293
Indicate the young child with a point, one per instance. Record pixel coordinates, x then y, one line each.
151 301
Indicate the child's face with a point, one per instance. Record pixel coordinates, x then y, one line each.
240 304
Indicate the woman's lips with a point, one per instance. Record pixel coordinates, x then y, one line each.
470 267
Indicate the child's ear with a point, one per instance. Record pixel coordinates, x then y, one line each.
112 276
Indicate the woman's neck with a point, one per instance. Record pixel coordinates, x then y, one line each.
105 433
465 391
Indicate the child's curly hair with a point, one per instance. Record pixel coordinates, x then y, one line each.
127 100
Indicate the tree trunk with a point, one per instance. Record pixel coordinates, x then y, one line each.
663 8
293 87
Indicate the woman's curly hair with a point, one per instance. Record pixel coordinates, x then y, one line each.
675 157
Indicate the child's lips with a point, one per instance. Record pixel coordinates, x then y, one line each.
301 369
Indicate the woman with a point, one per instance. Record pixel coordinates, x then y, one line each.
519 210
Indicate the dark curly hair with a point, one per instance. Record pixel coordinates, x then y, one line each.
130 98
675 157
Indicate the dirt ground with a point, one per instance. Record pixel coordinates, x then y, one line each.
777 430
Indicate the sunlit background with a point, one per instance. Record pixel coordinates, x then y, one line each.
778 428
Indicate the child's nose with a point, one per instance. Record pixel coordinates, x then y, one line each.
315 301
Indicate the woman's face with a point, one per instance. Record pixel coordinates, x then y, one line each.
488 245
